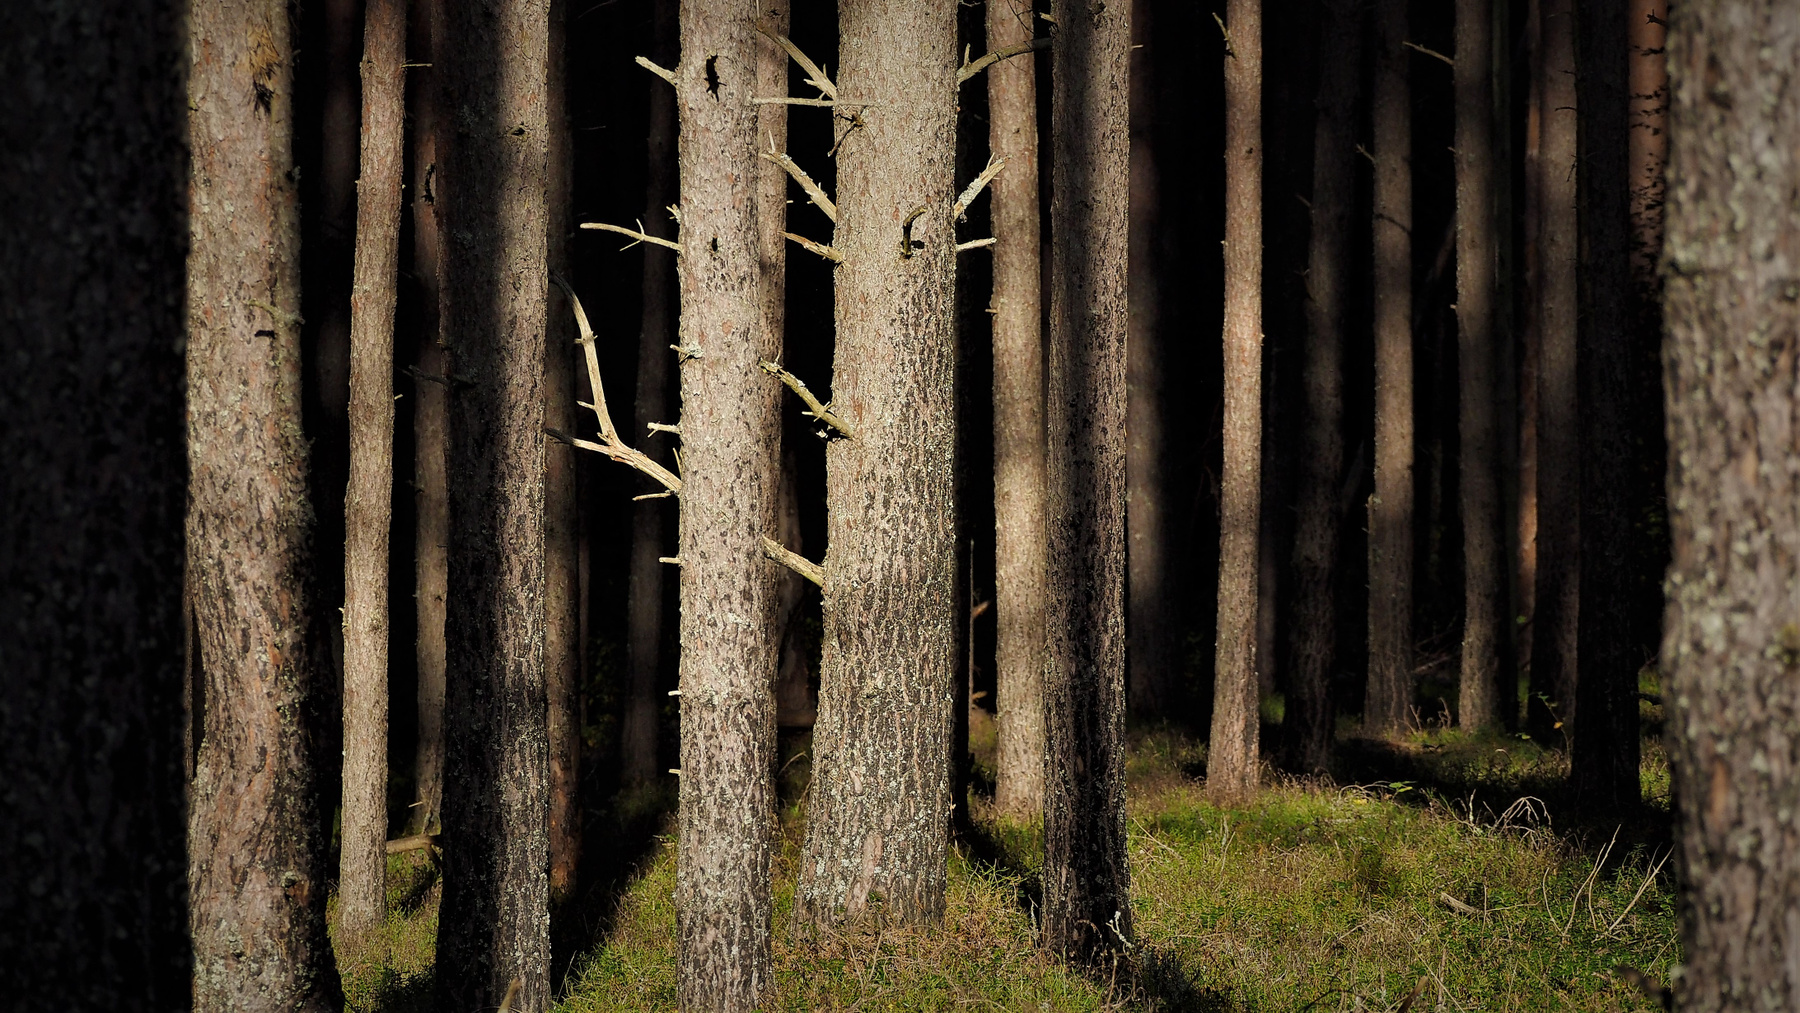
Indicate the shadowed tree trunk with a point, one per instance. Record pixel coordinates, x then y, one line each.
1479 700
1388 697
1310 715
257 871
1550 712
1018 417
494 926
1732 643
93 191
877 832
1529 314
1087 879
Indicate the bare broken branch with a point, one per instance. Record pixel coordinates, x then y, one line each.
793 561
818 411
813 193
417 842
636 234
663 72
825 103
1429 52
976 186
828 252
976 244
972 67
815 75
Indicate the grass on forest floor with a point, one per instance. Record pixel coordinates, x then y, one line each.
1318 898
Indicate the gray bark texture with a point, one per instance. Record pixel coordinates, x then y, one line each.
494 925
1731 645
1388 696
1019 435
877 836
93 191
730 426
1233 751
256 872
1310 718
1087 876
368 501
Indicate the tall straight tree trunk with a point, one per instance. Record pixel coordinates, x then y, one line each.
256 863
1550 711
1310 716
1087 877
431 426
1648 148
877 830
92 908
1019 436
1485 599
1530 328
731 459
494 926
368 503
1732 644
1388 697
790 675
650 517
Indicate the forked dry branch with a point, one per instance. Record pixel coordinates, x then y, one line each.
819 411
972 67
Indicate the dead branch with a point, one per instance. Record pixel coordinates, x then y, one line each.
813 193
815 75
817 410
976 244
637 235
793 561
417 842
1456 905
828 252
1429 52
823 103
609 444
663 72
971 68
961 210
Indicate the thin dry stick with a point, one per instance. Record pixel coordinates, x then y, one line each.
976 244
1429 52
609 444
976 186
815 76
793 561
813 193
1588 885
798 386
636 234
1640 892
663 72
970 69
828 252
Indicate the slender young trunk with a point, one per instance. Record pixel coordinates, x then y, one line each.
1732 644
256 863
92 911
1551 710
877 832
1388 698
731 459
650 517
791 685
1018 417
1530 316
431 423
368 503
1477 261
1087 878
1648 148
494 923
1310 715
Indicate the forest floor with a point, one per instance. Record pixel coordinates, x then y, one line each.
1450 866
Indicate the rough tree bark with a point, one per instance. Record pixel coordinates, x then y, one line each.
1485 598
1732 643
368 501
494 925
93 188
1087 878
1648 148
877 831
1019 437
257 872
1550 712
1388 696
1310 717
1529 313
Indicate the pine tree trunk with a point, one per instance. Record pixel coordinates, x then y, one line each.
1232 757
1087 878
650 517
1648 147
1310 718
1530 330
257 872
1387 700
730 426
492 185
368 503
877 831
1732 643
1485 598
93 191
1550 711
1018 417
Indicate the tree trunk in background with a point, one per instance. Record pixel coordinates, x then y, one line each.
1530 328
731 458
1732 644
1309 720
495 923
431 422
650 517
93 190
257 871
1553 640
1019 445
368 501
1388 697
1087 878
1485 599
878 824
1648 149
